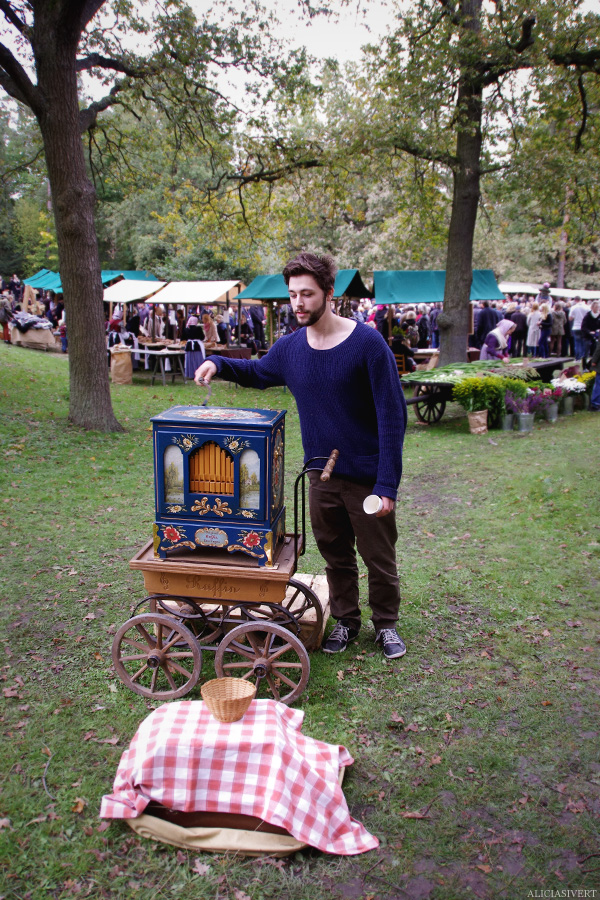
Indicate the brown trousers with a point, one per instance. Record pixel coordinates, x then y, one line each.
339 523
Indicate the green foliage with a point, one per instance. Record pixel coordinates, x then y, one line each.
468 729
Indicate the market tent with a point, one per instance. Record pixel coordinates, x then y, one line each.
125 291
414 287
521 287
45 280
202 293
273 287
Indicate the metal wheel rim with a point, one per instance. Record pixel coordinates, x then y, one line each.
141 652
253 644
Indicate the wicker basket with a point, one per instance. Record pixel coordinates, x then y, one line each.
228 698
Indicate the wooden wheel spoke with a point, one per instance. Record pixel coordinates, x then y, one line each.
153 680
170 679
237 665
181 654
287 665
159 636
273 686
168 646
150 641
138 673
279 652
287 680
181 669
130 642
258 651
136 656
242 651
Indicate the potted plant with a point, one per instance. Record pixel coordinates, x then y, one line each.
525 407
569 387
550 397
587 379
496 389
472 395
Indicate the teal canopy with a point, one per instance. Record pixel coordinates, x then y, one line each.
45 280
428 286
273 287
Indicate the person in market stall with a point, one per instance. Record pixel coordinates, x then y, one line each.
590 329
345 381
545 330
495 345
6 315
557 331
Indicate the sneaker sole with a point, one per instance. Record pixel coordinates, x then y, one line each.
395 655
341 650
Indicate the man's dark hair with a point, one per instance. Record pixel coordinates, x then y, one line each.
322 268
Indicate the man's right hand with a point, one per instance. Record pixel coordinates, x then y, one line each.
205 372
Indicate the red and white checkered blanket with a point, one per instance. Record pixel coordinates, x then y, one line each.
261 765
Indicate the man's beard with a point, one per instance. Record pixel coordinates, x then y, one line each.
314 316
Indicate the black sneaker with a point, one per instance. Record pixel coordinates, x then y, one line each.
391 642
339 638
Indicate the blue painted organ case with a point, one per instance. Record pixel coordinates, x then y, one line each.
218 476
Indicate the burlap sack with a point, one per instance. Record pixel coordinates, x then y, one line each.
120 365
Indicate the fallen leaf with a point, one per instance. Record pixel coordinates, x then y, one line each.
103 826
484 868
414 815
241 895
412 727
79 805
340 675
200 868
4 823
90 616
546 702
110 740
396 718
435 760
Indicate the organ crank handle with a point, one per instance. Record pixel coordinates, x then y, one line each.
328 467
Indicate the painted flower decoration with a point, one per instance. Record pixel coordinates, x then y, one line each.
171 534
233 445
247 513
187 443
252 539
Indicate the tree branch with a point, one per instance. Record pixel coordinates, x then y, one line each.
584 112
87 117
21 26
445 159
584 59
16 82
95 60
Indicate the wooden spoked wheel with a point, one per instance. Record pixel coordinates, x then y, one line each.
267 654
156 656
302 602
430 408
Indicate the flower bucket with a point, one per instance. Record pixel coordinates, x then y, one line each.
567 405
478 421
582 400
551 412
525 421
507 422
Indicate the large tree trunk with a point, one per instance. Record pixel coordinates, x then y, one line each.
564 240
73 196
454 321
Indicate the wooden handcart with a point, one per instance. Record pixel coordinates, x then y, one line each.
258 621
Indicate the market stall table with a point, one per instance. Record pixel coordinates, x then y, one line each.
175 356
34 338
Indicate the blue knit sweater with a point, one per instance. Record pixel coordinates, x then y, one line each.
348 397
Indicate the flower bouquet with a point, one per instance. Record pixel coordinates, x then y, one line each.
570 387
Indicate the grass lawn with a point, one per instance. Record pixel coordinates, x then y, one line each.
476 755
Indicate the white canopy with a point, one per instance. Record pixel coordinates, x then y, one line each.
519 287
198 292
129 291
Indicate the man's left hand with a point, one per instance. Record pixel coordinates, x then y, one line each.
388 507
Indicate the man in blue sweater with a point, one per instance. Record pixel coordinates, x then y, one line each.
345 381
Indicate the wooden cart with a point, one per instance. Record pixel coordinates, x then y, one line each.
430 398
258 621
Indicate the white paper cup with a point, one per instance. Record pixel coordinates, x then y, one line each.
372 504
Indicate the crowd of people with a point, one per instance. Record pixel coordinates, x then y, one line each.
542 325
